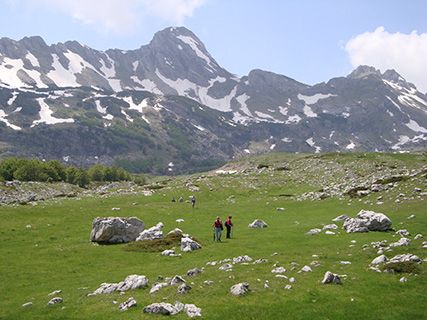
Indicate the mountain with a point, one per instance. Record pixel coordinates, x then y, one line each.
170 101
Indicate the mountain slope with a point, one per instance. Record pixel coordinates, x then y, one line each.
170 100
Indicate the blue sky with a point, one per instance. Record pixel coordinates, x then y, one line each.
310 41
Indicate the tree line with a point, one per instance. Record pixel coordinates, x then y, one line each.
54 171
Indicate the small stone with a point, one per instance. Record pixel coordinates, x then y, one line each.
129 303
313 232
27 304
288 287
278 270
177 280
292 280
54 293
239 289
330 277
306 269
403 279
194 272
54 301
183 288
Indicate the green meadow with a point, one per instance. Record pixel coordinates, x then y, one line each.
46 247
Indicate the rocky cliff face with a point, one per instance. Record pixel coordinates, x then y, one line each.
171 101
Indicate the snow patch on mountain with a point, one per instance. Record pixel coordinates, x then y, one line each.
8 71
46 117
195 46
243 107
33 60
309 112
61 76
350 146
110 74
128 118
99 108
314 98
414 126
293 119
3 119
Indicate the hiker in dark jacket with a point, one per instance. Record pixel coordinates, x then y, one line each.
228 225
218 229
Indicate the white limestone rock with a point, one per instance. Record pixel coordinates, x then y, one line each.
115 229
240 289
258 223
55 300
188 244
151 233
129 303
330 277
130 283
379 260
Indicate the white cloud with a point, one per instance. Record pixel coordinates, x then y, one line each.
406 53
118 16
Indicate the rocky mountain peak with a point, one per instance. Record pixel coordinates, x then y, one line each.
364 71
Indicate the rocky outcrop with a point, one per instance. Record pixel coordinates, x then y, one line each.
366 221
131 282
151 233
171 309
116 229
403 263
258 223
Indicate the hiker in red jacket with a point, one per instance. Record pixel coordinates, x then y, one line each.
228 225
218 229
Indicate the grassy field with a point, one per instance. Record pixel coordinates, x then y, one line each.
46 247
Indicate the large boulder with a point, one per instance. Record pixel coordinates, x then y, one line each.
115 229
367 221
258 223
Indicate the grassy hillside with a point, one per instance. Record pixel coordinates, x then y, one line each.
46 247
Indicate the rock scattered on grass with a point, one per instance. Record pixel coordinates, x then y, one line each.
342 217
188 244
130 283
379 260
403 232
402 242
129 303
366 221
278 270
288 287
403 279
54 293
183 288
194 272
55 300
169 309
258 223
418 236
151 233
406 263
331 226
177 280
157 286
306 269
240 289
242 259
27 304
314 231
330 277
